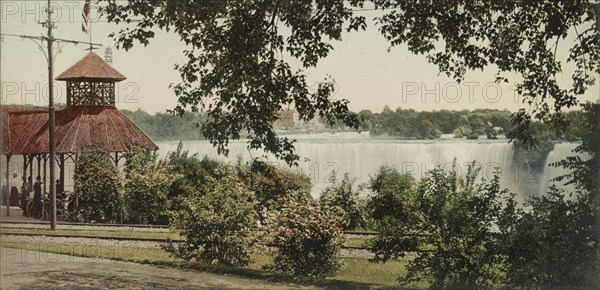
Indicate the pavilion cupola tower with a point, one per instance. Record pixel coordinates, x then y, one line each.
91 82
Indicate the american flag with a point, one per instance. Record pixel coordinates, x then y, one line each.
86 16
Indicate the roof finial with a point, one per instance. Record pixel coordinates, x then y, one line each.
108 55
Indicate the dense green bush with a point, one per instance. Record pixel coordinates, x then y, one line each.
390 208
454 223
193 170
390 189
145 187
345 195
217 221
459 220
136 159
308 237
272 185
98 187
552 244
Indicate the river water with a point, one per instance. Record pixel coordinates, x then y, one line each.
325 154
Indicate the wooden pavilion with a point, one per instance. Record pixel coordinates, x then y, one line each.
90 118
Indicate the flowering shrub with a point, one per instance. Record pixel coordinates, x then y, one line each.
97 185
308 236
146 195
217 221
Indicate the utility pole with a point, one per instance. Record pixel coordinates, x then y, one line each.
51 110
51 121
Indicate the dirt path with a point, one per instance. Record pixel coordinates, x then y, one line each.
37 270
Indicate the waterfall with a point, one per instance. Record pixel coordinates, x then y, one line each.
361 159
558 153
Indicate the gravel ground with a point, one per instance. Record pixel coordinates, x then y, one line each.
79 241
44 240
354 253
37 270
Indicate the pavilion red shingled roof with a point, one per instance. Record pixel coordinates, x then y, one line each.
19 126
25 131
91 67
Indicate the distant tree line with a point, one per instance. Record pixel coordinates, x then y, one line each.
410 124
164 126
399 123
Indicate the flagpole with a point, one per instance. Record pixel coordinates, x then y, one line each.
86 26
90 30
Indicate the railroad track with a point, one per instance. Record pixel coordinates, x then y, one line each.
356 233
84 224
134 239
3 231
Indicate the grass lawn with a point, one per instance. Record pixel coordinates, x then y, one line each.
357 242
355 273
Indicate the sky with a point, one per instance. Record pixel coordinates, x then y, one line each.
365 72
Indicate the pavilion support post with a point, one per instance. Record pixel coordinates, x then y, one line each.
24 170
45 178
61 166
44 205
39 159
24 181
39 174
7 185
31 168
